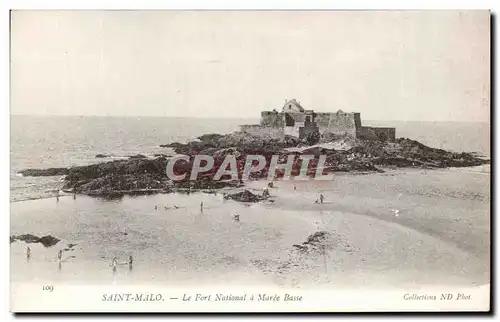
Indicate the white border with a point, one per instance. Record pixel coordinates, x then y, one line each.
257 4
89 298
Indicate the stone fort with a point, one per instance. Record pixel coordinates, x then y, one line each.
296 121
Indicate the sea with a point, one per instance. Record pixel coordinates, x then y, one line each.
181 245
64 141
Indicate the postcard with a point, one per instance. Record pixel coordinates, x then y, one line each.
250 161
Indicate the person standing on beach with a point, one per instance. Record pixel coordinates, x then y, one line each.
28 252
130 261
59 256
113 264
321 198
201 206
57 197
74 195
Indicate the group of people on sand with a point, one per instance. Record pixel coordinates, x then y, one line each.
57 196
114 262
270 185
236 218
166 208
321 199
177 207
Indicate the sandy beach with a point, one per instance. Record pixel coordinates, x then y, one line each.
250 161
401 228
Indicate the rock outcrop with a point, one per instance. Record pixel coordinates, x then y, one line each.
44 172
139 174
46 241
314 242
138 156
245 196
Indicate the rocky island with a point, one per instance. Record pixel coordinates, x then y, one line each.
344 154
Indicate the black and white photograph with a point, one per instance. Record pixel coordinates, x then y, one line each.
250 161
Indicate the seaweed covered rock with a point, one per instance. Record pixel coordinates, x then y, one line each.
211 139
117 167
138 156
311 138
140 174
327 137
191 148
46 241
44 172
409 153
314 242
245 196
244 142
119 183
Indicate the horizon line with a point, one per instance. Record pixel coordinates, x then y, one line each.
233 117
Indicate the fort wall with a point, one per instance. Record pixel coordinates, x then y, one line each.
292 130
276 124
308 129
263 131
340 123
322 119
272 119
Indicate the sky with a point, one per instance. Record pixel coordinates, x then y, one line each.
392 65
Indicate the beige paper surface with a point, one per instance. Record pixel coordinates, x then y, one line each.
388 208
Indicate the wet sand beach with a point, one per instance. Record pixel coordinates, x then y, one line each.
401 228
